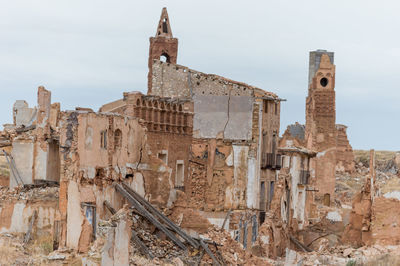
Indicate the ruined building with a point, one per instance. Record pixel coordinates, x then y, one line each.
195 143
202 149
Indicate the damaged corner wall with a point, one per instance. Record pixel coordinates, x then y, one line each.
99 149
116 249
344 151
34 151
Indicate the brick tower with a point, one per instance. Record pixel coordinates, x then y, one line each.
163 46
320 121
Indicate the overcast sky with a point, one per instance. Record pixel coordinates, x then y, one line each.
89 52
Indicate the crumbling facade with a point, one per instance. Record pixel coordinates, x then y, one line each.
298 198
203 150
203 145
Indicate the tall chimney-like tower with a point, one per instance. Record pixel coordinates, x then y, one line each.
321 135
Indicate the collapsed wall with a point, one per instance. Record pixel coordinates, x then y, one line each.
100 149
32 214
344 152
374 217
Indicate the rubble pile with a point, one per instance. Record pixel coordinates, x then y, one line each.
161 250
231 251
165 252
344 255
32 194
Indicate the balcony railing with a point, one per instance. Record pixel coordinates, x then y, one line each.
304 177
271 161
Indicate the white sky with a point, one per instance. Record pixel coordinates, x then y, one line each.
89 52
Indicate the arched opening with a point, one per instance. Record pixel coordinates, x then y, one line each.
327 199
117 139
165 26
165 58
323 82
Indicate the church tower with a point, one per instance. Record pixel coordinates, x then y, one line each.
321 121
163 46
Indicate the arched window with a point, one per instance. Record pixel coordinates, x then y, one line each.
117 139
324 82
165 58
165 26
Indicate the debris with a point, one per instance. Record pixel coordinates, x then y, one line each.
29 232
149 216
56 257
142 247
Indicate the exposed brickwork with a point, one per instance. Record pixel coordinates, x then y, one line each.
169 124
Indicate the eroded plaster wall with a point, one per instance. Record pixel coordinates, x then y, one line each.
22 152
16 217
171 80
229 117
89 167
298 190
115 152
22 114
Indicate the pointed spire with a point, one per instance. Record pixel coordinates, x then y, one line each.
164 28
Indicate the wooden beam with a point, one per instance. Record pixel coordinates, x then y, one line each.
208 251
161 216
141 245
29 232
149 216
24 129
299 244
109 207
226 218
221 258
6 143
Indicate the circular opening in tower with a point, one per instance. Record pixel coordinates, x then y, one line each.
323 82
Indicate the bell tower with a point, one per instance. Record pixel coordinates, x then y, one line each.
163 46
320 132
320 103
